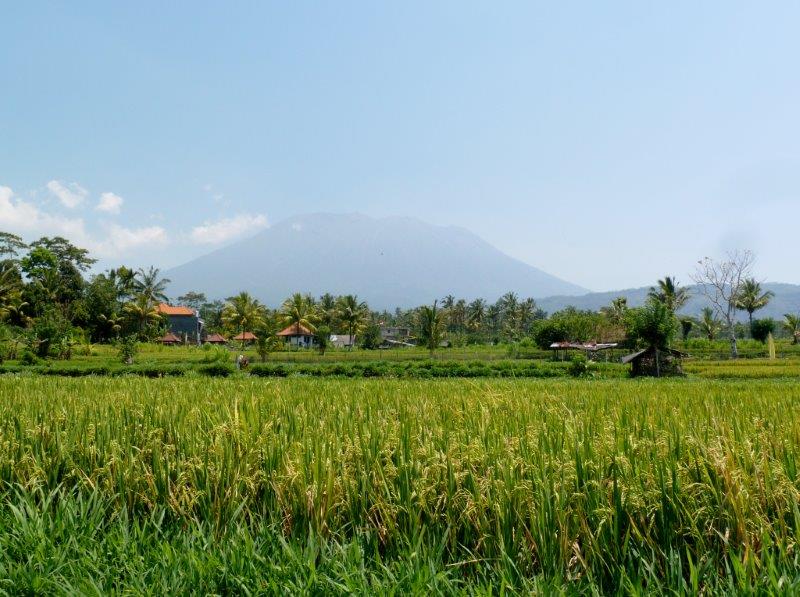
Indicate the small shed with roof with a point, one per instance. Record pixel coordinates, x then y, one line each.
245 337
215 339
169 339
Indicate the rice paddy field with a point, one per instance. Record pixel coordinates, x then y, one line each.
242 485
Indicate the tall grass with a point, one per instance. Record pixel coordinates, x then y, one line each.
331 486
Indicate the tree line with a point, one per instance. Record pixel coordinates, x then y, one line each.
49 303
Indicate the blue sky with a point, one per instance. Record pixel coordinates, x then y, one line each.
607 143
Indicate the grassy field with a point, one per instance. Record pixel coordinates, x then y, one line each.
335 486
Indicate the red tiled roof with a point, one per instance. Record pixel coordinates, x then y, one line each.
166 309
170 338
295 330
246 336
216 339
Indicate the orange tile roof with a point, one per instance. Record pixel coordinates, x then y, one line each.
166 309
246 336
295 330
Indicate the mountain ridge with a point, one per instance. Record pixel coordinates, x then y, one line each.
389 262
786 300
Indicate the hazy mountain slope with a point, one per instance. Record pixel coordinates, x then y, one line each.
388 262
787 300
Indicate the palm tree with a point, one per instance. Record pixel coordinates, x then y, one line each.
458 315
669 293
476 311
751 299
148 284
326 309
298 311
244 313
615 312
430 323
791 323
448 301
10 287
508 303
113 322
353 314
709 324
143 310
124 280
526 311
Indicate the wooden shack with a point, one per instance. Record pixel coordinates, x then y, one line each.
655 362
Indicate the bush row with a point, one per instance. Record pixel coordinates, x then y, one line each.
395 369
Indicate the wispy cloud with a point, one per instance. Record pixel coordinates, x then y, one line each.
110 203
226 229
70 195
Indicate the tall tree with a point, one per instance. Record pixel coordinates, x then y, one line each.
243 313
327 310
299 311
143 311
10 288
721 283
150 285
448 301
751 298
669 293
476 312
192 299
353 314
615 312
430 326
10 245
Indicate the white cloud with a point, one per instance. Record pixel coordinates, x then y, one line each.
109 203
214 233
120 239
23 217
71 195
19 216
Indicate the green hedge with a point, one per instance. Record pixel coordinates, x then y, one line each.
396 369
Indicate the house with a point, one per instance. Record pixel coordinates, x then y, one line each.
655 362
343 341
215 339
298 336
395 337
245 337
169 339
395 333
183 322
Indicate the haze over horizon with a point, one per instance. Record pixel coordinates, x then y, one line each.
585 142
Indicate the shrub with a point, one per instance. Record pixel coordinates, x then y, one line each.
548 332
215 354
579 366
28 358
127 349
217 370
762 328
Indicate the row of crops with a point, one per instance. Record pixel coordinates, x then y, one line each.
332 486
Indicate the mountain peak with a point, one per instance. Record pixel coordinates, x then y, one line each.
389 262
